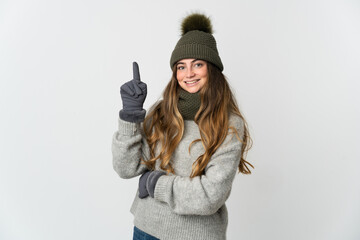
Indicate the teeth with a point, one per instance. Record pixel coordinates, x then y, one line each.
191 81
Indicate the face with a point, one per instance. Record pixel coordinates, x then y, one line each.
191 74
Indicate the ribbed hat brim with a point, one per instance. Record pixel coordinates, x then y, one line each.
197 51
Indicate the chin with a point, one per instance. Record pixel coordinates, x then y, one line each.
192 90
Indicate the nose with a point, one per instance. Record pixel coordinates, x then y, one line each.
190 73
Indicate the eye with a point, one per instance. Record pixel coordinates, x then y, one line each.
198 64
180 67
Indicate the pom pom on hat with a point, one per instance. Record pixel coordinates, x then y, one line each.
196 41
196 21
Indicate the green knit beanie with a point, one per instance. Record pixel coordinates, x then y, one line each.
197 41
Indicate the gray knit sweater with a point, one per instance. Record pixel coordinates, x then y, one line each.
183 208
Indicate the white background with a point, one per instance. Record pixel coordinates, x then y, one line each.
293 65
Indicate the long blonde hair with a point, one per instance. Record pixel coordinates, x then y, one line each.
164 124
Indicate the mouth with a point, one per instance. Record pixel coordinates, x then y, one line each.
192 81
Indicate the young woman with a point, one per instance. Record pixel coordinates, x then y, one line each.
189 146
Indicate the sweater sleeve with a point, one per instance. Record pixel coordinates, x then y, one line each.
128 147
205 194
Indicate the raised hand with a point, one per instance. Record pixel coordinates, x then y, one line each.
133 94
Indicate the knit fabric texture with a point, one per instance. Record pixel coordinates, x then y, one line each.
188 104
199 45
183 208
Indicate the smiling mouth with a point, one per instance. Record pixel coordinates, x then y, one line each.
193 81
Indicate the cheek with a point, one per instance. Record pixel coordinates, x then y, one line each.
204 72
204 75
178 76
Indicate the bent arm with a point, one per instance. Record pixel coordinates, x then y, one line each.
128 147
205 194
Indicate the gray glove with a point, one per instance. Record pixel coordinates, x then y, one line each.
143 193
133 94
147 183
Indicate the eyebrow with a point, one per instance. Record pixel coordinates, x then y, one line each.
191 61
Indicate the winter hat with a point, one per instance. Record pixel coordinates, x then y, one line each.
196 41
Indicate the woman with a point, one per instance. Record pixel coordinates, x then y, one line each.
189 146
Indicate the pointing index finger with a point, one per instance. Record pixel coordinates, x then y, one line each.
136 72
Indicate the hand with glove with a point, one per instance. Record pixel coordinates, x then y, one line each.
133 94
147 183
